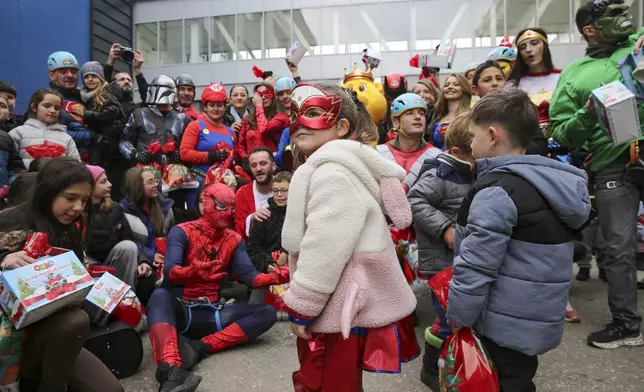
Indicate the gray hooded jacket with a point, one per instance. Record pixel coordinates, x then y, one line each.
514 252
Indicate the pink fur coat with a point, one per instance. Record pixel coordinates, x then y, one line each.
344 268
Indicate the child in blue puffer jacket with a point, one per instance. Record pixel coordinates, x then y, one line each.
513 248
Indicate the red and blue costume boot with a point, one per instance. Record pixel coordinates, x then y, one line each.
171 374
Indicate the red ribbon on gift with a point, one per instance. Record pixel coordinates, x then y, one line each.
37 245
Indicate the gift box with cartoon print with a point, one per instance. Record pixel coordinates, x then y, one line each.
35 291
108 291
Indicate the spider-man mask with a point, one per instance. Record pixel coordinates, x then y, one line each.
218 205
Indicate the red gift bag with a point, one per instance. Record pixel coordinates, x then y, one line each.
464 366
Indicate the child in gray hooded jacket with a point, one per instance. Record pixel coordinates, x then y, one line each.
435 199
513 244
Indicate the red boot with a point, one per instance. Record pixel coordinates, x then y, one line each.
165 344
230 336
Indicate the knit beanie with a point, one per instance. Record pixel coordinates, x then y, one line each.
93 68
96 171
8 88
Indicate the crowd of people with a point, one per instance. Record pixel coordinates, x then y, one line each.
492 170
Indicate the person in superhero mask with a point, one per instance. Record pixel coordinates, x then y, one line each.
188 318
608 29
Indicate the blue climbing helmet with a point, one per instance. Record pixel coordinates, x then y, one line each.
406 102
58 60
502 53
284 84
471 67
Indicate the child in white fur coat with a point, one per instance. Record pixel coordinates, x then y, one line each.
348 297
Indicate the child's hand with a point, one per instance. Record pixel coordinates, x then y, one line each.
300 331
448 237
78 110
158 260
455 327
283 259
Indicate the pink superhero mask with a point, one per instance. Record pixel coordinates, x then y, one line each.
218 205
313 108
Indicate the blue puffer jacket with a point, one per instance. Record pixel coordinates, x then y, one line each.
514 252
10 163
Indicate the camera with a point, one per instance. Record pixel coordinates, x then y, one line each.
127 54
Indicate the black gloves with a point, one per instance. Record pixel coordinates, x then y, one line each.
143 157
217 156
174 157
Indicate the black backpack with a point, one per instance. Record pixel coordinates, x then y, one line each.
118 346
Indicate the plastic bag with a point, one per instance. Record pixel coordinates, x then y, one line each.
11 349
161 244
464 366
226 172
45 150
275 295
176 175
132 312
440 285
407 254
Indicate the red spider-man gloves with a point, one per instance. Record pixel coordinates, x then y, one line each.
280 275
197 272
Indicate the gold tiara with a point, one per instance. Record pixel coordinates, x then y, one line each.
531 34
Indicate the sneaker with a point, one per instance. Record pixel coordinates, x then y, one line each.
614 335
571 315
192 352
602 275
176 379
583 274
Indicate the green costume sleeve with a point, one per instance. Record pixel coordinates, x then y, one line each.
572 123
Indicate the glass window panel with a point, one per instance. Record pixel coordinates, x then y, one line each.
196 38
554 18
443 19
383 27
277 33
326 29
170 42
222 38
306 29
249 36
146 41
523 13
487 17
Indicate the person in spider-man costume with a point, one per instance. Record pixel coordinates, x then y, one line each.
187 320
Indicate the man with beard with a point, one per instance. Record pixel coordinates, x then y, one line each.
63 77
186 91
619 183
252 199
122 86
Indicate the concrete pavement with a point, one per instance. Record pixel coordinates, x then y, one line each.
267 364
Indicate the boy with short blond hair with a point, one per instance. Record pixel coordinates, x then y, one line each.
435 199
